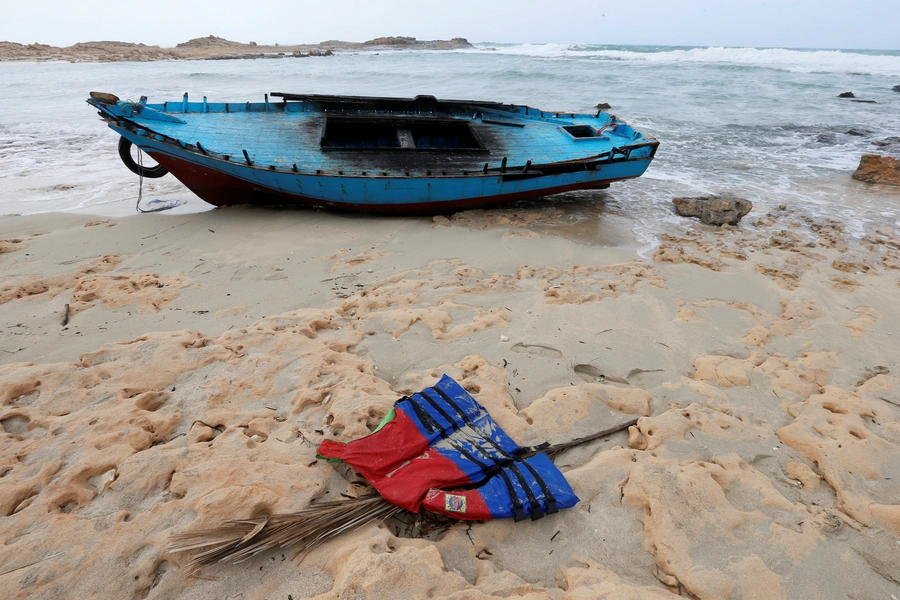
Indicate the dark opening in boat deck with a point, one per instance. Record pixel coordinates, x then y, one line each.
389 132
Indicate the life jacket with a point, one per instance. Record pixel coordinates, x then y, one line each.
441 450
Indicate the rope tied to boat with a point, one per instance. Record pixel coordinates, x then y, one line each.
607 126
140 162
137 206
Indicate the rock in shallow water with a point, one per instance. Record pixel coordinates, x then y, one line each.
889 141
846 95
713 210
874 168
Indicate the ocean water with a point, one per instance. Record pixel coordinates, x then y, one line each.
764 124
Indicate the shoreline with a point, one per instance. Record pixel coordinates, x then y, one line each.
207 354
210 48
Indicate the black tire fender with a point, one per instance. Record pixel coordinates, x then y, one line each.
125 155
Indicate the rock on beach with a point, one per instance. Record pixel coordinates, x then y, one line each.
713 210
874 168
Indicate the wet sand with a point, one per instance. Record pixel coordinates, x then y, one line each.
206 355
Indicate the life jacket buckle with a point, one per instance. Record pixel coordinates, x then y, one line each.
552 509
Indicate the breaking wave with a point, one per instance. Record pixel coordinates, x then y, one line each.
802 61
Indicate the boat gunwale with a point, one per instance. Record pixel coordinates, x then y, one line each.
527 170
511 172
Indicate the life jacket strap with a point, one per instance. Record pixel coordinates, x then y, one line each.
430 425
437 407
549 500
517 509
534 505
532 449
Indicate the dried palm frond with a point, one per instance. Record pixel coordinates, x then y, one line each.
239 540
306 529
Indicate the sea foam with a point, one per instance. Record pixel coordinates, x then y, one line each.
801 61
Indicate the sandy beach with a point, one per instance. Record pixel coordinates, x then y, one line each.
206 355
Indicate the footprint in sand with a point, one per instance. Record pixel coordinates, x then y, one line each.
243 272
592 374
537 350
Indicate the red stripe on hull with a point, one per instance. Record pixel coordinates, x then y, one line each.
221 189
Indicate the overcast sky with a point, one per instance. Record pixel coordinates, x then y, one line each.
772 23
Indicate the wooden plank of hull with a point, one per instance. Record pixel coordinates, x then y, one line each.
222 189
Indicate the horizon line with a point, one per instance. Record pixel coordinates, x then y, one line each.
475 43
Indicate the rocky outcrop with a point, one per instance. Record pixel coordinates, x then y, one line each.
413 43
209 47
210 41
846 95
84 52
874 168
896 88
713 210
394 40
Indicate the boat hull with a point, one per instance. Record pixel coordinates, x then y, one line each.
413 195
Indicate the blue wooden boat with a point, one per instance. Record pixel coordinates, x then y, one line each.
379 155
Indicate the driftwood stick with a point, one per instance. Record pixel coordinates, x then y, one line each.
32 563
65 319
555 449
